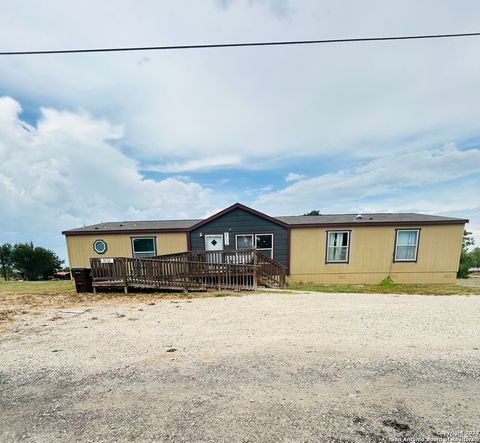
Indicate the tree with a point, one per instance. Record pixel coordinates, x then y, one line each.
467 258
467 239
314 212
476 257
5 260
35 262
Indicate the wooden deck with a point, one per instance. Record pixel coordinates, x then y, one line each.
226 270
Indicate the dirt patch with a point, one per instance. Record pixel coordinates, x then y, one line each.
394 424
19 298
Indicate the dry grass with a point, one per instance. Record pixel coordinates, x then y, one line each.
17 297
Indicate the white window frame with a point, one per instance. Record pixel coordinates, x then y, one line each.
207 236
244 235
327 246
264 249
411 260
144 254
95 246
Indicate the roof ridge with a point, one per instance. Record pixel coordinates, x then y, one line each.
150 220
347 213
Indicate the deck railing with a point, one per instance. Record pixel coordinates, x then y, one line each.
270 272
237 270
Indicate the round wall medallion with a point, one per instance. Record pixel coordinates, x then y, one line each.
99 246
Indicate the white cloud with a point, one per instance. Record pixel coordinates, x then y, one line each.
385 174
258 104
292 177
205 164
66 171
279 8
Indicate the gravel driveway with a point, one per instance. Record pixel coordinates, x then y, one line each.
257 368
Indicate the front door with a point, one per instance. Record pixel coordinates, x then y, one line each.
214 243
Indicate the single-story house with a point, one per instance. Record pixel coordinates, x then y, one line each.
333 248
60 275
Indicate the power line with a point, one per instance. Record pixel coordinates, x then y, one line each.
239 45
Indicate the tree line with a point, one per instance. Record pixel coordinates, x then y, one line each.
32 262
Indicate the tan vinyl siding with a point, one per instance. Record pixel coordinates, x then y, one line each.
371 256
80 247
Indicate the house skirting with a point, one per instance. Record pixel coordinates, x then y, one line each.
447 277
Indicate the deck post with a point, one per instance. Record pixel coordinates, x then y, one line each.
218 279
255 283
125 274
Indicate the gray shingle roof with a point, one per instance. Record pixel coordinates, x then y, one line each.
385 218
152 225
378 217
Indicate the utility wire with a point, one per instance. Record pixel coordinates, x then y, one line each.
239 45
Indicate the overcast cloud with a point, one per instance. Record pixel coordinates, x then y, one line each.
380 126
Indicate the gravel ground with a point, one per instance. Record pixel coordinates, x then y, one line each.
267 367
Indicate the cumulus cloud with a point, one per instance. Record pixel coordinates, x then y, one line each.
260 104
403 174
279 8
66 171
205 164
293 177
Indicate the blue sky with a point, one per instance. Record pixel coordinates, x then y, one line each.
390 126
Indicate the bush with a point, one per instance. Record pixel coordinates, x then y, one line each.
466 262
387 282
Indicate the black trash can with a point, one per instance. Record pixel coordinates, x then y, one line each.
83 279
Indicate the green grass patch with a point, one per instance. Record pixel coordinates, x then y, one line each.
388 288
49 287
387 282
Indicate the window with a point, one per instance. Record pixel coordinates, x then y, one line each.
244 241
143 247
406 245
264 244
99 246
338 244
